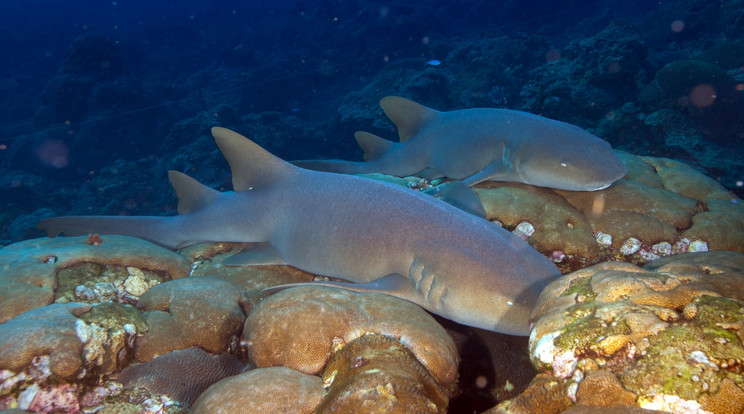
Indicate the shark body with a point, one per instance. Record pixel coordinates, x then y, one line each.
385 238
479 144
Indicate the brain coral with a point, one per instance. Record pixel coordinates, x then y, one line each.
183 374
671 332
31 267
302 327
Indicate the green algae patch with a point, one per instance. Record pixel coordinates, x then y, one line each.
113 316
71 277
714 311
587 330
686 361
582 287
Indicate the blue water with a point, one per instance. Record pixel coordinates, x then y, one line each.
101 98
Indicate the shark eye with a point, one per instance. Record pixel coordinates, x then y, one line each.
563 164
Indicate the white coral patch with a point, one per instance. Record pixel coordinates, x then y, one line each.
95 340
82 330
698 246
136 285
604 239
630 246
524 230
134 271
562 361
26 397
670 404
662 249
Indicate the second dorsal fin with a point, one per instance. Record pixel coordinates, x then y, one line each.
192 195
373 146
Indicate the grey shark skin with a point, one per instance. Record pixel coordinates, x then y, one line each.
386 238
479 144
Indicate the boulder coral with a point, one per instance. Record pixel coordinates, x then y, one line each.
302 327
669 333
48 330
207 260
376 373
199 311
264 390
31 268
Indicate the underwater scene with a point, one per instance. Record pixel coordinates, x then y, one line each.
369 206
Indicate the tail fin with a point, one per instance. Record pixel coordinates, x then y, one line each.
151 228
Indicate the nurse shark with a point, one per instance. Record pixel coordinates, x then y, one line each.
385 238
480 144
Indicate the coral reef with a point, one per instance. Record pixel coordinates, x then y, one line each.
589 75
665 336
263 390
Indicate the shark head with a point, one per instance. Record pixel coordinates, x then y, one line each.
575 160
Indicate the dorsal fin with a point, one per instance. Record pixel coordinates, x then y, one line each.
372 145
251 165
407 115
192 195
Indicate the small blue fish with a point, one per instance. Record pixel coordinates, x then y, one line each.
434 62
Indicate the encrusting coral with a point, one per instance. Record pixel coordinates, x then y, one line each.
669 332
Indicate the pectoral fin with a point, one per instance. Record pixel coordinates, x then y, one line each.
461 196
492 172
393 285
260 254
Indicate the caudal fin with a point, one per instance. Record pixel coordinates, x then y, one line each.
150 228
